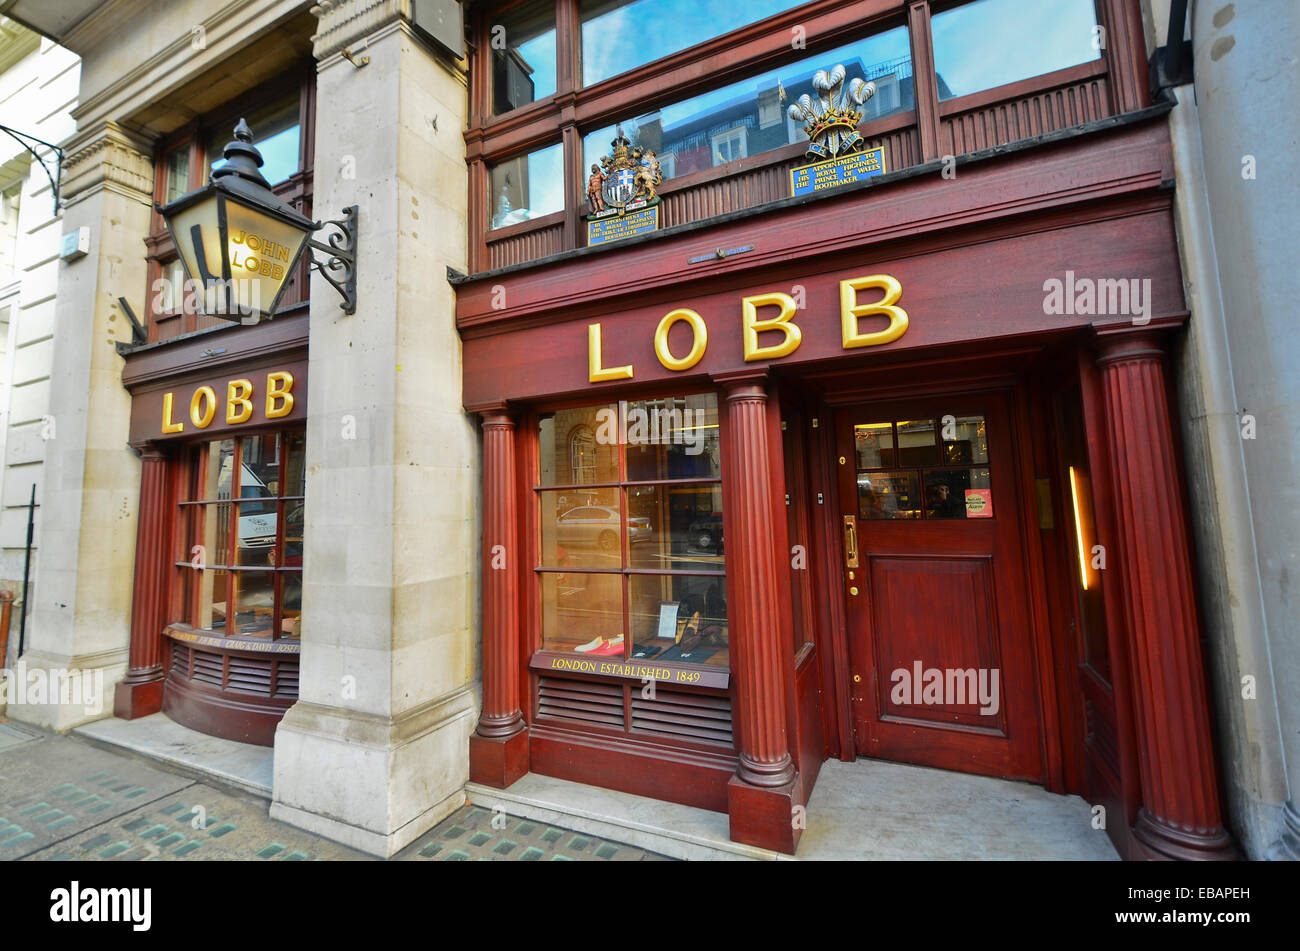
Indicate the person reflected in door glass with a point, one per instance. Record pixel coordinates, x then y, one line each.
943 504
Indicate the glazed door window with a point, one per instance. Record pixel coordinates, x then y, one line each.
923 469
631 544
239 563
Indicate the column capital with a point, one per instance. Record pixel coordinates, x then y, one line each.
342 23
1116 345
109 157
748 383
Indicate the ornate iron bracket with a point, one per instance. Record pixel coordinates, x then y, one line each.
25 140
342 257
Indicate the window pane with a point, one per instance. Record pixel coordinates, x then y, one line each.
581 529
257 527
255 602
582 613
275 133
675 527
260 476
679 618
751 117
523 55
889 495
214 588
916 445
958 493
994 42
672 438
579 446
215 535
215 480
294 445
874 444
619 35
178 174
291 605
971 444
528 186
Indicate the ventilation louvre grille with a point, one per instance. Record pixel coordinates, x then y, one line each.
686 716
581 701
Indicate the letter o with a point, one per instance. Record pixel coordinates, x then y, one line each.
699 331
202 421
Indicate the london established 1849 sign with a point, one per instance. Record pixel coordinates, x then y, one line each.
833 138
621 192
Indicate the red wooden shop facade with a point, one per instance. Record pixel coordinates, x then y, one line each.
1102 692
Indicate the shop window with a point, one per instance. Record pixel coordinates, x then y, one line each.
991 43
241 528
619 35
930 469
735 121
632 553
528 186
523 55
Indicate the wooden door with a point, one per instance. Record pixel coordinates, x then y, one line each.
940 646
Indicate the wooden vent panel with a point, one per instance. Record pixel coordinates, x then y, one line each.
576 700
250 675
685 716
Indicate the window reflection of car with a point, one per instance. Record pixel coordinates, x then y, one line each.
596 526
257 522
706 534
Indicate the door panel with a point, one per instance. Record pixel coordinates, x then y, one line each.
938 620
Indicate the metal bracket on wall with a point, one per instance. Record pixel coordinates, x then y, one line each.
342 258
138 334
26 141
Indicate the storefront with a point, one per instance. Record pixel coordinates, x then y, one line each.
220 426
867 485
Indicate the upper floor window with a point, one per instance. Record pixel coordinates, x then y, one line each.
528 186
277 113
523 55
619 35
991 43
751 117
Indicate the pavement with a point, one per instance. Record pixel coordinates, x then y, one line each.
63 798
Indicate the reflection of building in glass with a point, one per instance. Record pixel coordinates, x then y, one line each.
750 124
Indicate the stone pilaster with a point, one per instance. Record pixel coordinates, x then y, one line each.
375 751
81 596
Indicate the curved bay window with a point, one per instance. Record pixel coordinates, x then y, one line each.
631 560
240 567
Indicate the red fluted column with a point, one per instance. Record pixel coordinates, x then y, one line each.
499 746
140 692
1181 817
761 794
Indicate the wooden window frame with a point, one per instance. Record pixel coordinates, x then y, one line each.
160 251
191 463
758 46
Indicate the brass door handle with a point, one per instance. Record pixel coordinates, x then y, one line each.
850 542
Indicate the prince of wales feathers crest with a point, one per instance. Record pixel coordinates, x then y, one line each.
625 179
831 121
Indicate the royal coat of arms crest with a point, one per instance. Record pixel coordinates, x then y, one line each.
625 179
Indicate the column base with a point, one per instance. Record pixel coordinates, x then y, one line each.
135 699
370 782
1158 841
764 815
498 761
